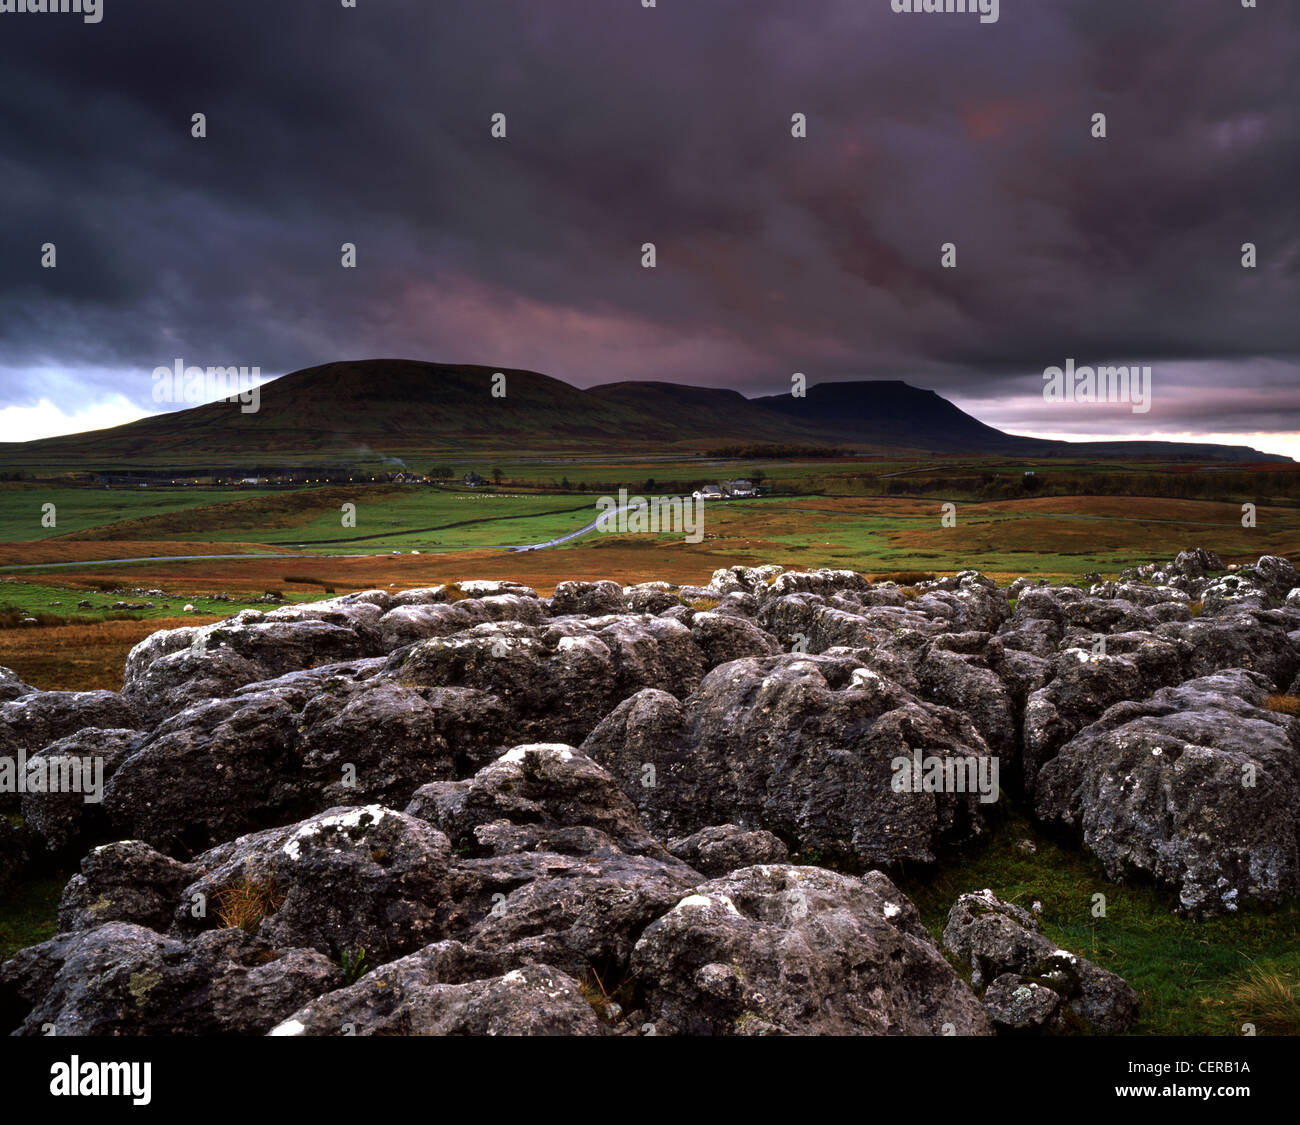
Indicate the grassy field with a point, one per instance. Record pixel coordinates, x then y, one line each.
465 535
314 518
23 512
1056 517
52 604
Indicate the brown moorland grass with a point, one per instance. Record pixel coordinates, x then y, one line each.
61 550
1113 507
1153 528
626 561
1125 507
79 657
901 506
1284 704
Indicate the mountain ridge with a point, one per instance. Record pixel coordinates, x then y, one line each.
350 410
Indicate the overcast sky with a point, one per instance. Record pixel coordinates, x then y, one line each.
669 125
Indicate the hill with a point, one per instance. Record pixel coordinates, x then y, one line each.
895 413
360 411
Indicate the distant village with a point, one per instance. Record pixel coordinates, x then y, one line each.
442 476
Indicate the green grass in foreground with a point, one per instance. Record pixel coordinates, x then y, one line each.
1186 972
27 915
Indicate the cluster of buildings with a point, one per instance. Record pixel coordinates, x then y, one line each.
727 490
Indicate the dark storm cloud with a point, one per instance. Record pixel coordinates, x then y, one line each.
669 125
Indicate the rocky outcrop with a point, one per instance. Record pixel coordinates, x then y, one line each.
125 881
348 879
34 720
468 809
535 797
590 666
246 648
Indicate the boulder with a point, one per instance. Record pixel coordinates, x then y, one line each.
126 881
350 879
997 938
590 665
12 686
587 599
1257 641
1017 1004
576 912
775 949
32 721
544 792
724 637
552 864
1196 787
216 770
806 747
123 979
68 813
246 648
725 848
1089 679
407 623
650 597
380 741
